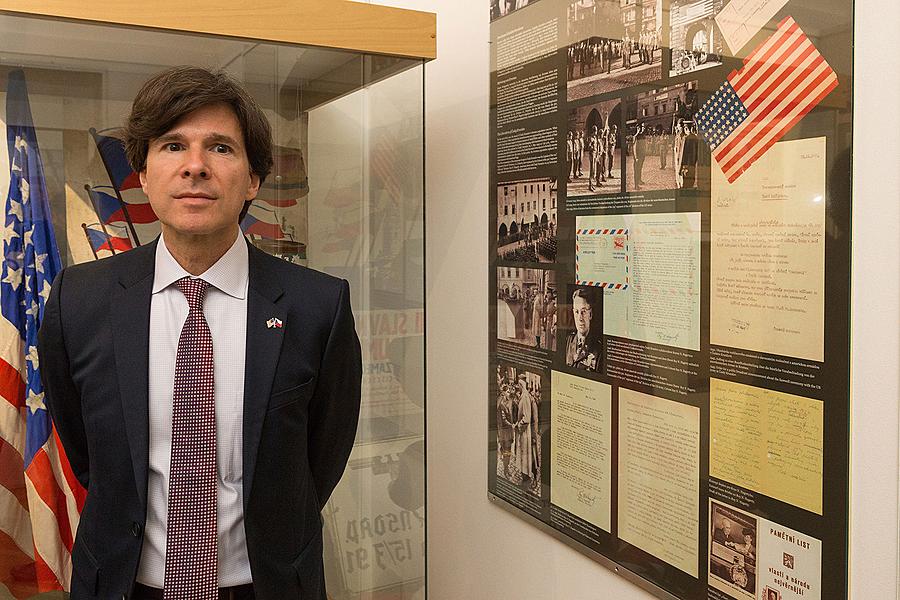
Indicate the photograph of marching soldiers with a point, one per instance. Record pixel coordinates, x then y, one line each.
613 44
526 220
526 307
501 8
519 397
695 38
662 143
593 150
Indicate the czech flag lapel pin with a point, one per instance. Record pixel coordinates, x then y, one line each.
274 323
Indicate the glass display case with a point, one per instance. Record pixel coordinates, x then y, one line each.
345 197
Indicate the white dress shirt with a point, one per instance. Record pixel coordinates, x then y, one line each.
225 309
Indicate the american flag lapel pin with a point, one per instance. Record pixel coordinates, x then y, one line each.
274 323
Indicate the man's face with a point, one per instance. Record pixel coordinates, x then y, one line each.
582 311
726 528
197 175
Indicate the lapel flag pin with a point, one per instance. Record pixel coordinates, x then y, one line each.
274 323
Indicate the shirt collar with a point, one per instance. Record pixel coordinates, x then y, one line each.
229 274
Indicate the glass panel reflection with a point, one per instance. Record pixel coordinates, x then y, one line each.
345 196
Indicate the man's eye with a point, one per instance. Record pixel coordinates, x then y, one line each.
173 146
222 148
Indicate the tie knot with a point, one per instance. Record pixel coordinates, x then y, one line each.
194 290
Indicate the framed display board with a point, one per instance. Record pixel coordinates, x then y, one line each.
669 253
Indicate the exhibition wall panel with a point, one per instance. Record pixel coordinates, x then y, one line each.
477 550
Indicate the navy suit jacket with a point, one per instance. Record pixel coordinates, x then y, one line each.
301 407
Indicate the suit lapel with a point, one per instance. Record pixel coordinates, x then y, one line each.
131 324
263 350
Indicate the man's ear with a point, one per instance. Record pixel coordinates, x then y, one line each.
142 175
253 188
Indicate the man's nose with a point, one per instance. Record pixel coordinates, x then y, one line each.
195 165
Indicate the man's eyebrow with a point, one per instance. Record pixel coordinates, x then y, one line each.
214 138
171 136
222 138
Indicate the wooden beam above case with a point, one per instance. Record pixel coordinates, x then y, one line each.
367 28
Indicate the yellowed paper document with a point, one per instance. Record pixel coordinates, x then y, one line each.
649 268
580 447
740 20
767 257
767 441
659 477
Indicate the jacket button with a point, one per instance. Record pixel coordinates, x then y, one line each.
136 529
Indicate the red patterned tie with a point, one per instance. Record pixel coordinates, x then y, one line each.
191 548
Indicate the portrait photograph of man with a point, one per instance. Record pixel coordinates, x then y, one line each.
584 343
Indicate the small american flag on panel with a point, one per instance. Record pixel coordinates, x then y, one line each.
784 78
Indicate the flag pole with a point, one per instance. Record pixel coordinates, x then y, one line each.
87 188
87 235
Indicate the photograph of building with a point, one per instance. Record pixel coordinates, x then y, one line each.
526 221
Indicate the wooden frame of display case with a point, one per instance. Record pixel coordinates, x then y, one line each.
366 28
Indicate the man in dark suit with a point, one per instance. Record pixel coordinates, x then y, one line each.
206 393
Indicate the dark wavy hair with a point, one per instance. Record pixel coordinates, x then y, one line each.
168 96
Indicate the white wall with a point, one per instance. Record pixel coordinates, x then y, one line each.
876 303
477 551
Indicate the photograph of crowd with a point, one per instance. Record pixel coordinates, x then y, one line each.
526 307
695 38
519 397
593 150
663 148
732 548
526 221
501 8
612 45
584 340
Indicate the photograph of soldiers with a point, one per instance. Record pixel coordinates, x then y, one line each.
597 166
501 8
526 307
526 218
612 45
519 398
695 38
662 146
584 343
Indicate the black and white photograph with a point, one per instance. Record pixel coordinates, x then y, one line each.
612 45
501 8
582 324
526 307
694 37
526 221
732 549
771 594
593 149
663 148
519 396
